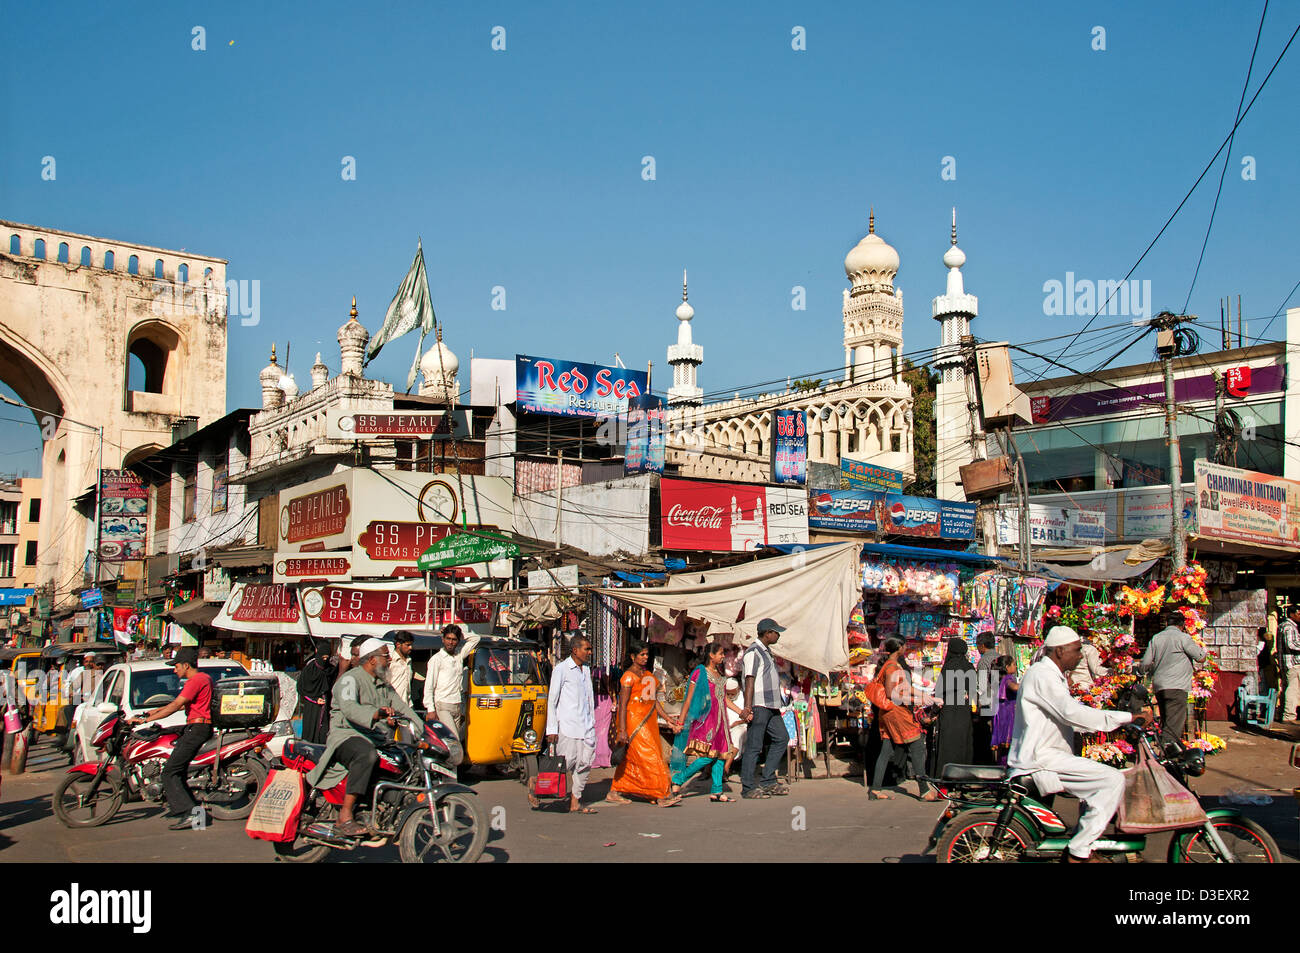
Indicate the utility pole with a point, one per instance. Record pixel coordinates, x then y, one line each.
559 493
1166 325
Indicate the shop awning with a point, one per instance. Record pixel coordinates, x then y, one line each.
901 552
811 593
195 612
1107 567
243 557
263 608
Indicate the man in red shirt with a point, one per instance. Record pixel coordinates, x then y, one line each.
196 699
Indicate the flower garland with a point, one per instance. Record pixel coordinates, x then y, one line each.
1210 744
1140 603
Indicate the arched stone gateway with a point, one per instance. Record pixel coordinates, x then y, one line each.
68 336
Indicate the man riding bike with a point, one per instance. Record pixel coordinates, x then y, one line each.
1041 741
361 700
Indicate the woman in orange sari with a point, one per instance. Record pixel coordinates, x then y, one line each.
642 772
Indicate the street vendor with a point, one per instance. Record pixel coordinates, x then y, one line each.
1042 737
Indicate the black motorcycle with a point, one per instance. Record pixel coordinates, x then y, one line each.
413 800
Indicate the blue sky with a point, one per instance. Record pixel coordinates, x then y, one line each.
523 168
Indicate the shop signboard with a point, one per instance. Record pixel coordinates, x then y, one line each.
464 549
856 475
1269 379
1053 526
126 590
1247 506
268 608
560 577
317 515
730 517
220 488
15 597
92 598
390 425
217 584
921 516
573 389
646 425
312 567
851 510
1146 512
354 610
80 620
400 514
789 447
123 516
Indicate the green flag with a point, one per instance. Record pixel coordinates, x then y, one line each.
411 308
465 549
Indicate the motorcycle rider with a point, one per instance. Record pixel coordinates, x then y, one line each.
362 698
1041 741
196 699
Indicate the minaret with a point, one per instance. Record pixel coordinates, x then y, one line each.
352 342
685 357
873 313
320 373
272 395
953 439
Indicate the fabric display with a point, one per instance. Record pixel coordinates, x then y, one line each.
1011 603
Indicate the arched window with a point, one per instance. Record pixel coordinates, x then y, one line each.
39 250
85 256
133 265
15 245
63 252
183 274
158 268
109 261
151 349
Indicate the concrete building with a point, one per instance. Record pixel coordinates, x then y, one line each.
98 332
11 496
866 415
29 527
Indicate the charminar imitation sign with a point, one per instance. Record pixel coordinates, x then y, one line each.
1246 506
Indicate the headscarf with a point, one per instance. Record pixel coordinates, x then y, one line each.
701 703
956 657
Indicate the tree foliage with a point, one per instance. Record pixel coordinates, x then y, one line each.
924 383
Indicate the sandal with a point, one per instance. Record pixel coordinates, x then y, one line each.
351 828
613 798
721 798
669 802
584 810
534 802
879 796
755 794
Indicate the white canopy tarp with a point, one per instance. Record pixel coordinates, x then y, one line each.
270 608
811 593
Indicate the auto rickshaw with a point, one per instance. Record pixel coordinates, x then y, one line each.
52 712
505 705
28 671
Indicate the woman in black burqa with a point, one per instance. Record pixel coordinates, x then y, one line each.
955 744
314 686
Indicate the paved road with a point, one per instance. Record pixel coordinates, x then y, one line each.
828 820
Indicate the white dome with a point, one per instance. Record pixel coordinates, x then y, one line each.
871 257
685 312
289 386
439 362
954 257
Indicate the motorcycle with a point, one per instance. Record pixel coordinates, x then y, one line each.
993 816
413 799
224 776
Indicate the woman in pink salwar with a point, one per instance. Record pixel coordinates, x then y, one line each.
704 737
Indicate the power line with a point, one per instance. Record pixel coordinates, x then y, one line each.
1227 158
1209 165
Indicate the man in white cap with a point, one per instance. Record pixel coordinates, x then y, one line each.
1046 719
362 703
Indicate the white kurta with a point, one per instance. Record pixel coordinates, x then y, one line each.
1042 745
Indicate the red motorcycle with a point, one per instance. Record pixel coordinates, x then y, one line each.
224 776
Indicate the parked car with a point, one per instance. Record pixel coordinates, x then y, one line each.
136 688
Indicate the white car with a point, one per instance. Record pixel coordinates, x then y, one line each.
136 688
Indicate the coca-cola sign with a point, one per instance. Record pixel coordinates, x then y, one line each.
730 517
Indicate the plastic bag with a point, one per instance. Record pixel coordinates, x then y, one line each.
279 803
1154 801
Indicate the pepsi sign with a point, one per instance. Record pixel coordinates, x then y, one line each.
853 510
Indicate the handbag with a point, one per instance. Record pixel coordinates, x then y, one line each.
618 752
1154 801
552 775
275 812
876 694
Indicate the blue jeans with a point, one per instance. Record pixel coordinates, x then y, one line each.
767 724
697 767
